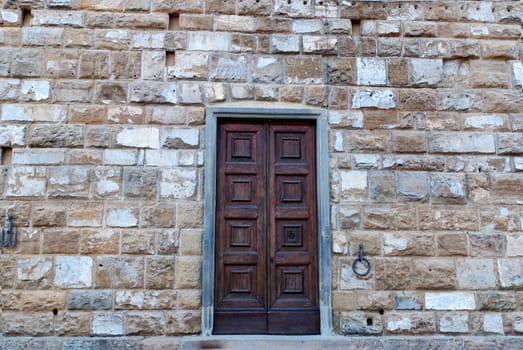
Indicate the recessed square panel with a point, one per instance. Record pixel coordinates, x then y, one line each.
292 280
241 280
290 147
291 190
241 147
240 235
241 190
292 235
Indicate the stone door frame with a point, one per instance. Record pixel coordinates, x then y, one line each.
267 112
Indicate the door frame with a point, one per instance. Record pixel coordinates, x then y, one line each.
268 112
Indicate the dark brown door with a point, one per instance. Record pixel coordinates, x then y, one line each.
266 238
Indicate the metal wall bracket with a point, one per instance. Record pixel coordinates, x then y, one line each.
9 236
362 272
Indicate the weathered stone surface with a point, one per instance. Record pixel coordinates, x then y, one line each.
434 274
35 272
450 301
393 274
183 322
496 301
27 324
118 272
187 272
108 324
145 300
510 273
408 244
72 324
454 322
409 323
73 272
90 300
145 323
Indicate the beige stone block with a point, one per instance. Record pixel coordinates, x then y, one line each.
145 323
343 301
10 300
380 119
35 272
417 99
167 241
145 299
191 242
506 188
187 272
433 273
366 141
85 214
452 244
72 324
118 272
487 244
382 186
496 301
499 218
393 274
412 322
189 215
36 301
100 241
408 244
488 74
195 21
374 301
36 324
160 272
183 322
452 218
94 64
138 242
189 299
303 70
391 218
371 242
60 241
8 268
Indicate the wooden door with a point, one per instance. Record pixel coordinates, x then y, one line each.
266 229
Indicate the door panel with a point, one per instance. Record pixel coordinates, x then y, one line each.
266 245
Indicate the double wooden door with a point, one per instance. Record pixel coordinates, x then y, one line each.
266 229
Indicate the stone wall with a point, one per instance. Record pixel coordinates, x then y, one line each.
101 133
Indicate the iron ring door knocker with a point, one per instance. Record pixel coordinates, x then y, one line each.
362 260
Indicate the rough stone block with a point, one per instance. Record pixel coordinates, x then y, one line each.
381 99
99 241
183 322
285 43
90 300
408 244
160 273
371 71
68 182
434 273
38 113
118 272
25 181
496 301
153 92
122 216
35 272
393 274
111 92
178 183
410 323
145 323
27 324
139 137
190 65
461 143
72 324
73 272
187 272
108 324
389 218
140 183
475 274
454 322
510 272
121 156
450 301
88 214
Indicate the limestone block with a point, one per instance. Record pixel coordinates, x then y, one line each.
510 143
189 215
27 324
110 92
499 49
94 64
162 157
87 214
158 215
187 272
352 119
254 7
24 181
183 322
58 18
354 185
48 215
502 100
215 92
488 74
150 40
73 272
382 186
450 301
510 272
153 92
374 301
95 19
167 241
425 72
365 161
108 324
487 245
122 216
408 244
475 273
140 183
448 188
408 301
410 323
319 44
517 74
481 12
160 272
348 217
285 43
139 21
461 143
9 90
190 93
112 39
231 23
189 21
377 98
485 121
12 135
464 48
412 186
393 274
35 272
294 8
120 157
496 301
60 241
72 324
10 17
126 64
357 323
500 218
190 65
452 244
506 187
71 182
34 36
266 69
145 300
493 323
371 71
208 41
514 245
36 301
138 242
99 241
9 37
40 113
371 241
139 137
389 218
453 322
434 274
229 68
118 272
307 26
178 183
145 323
